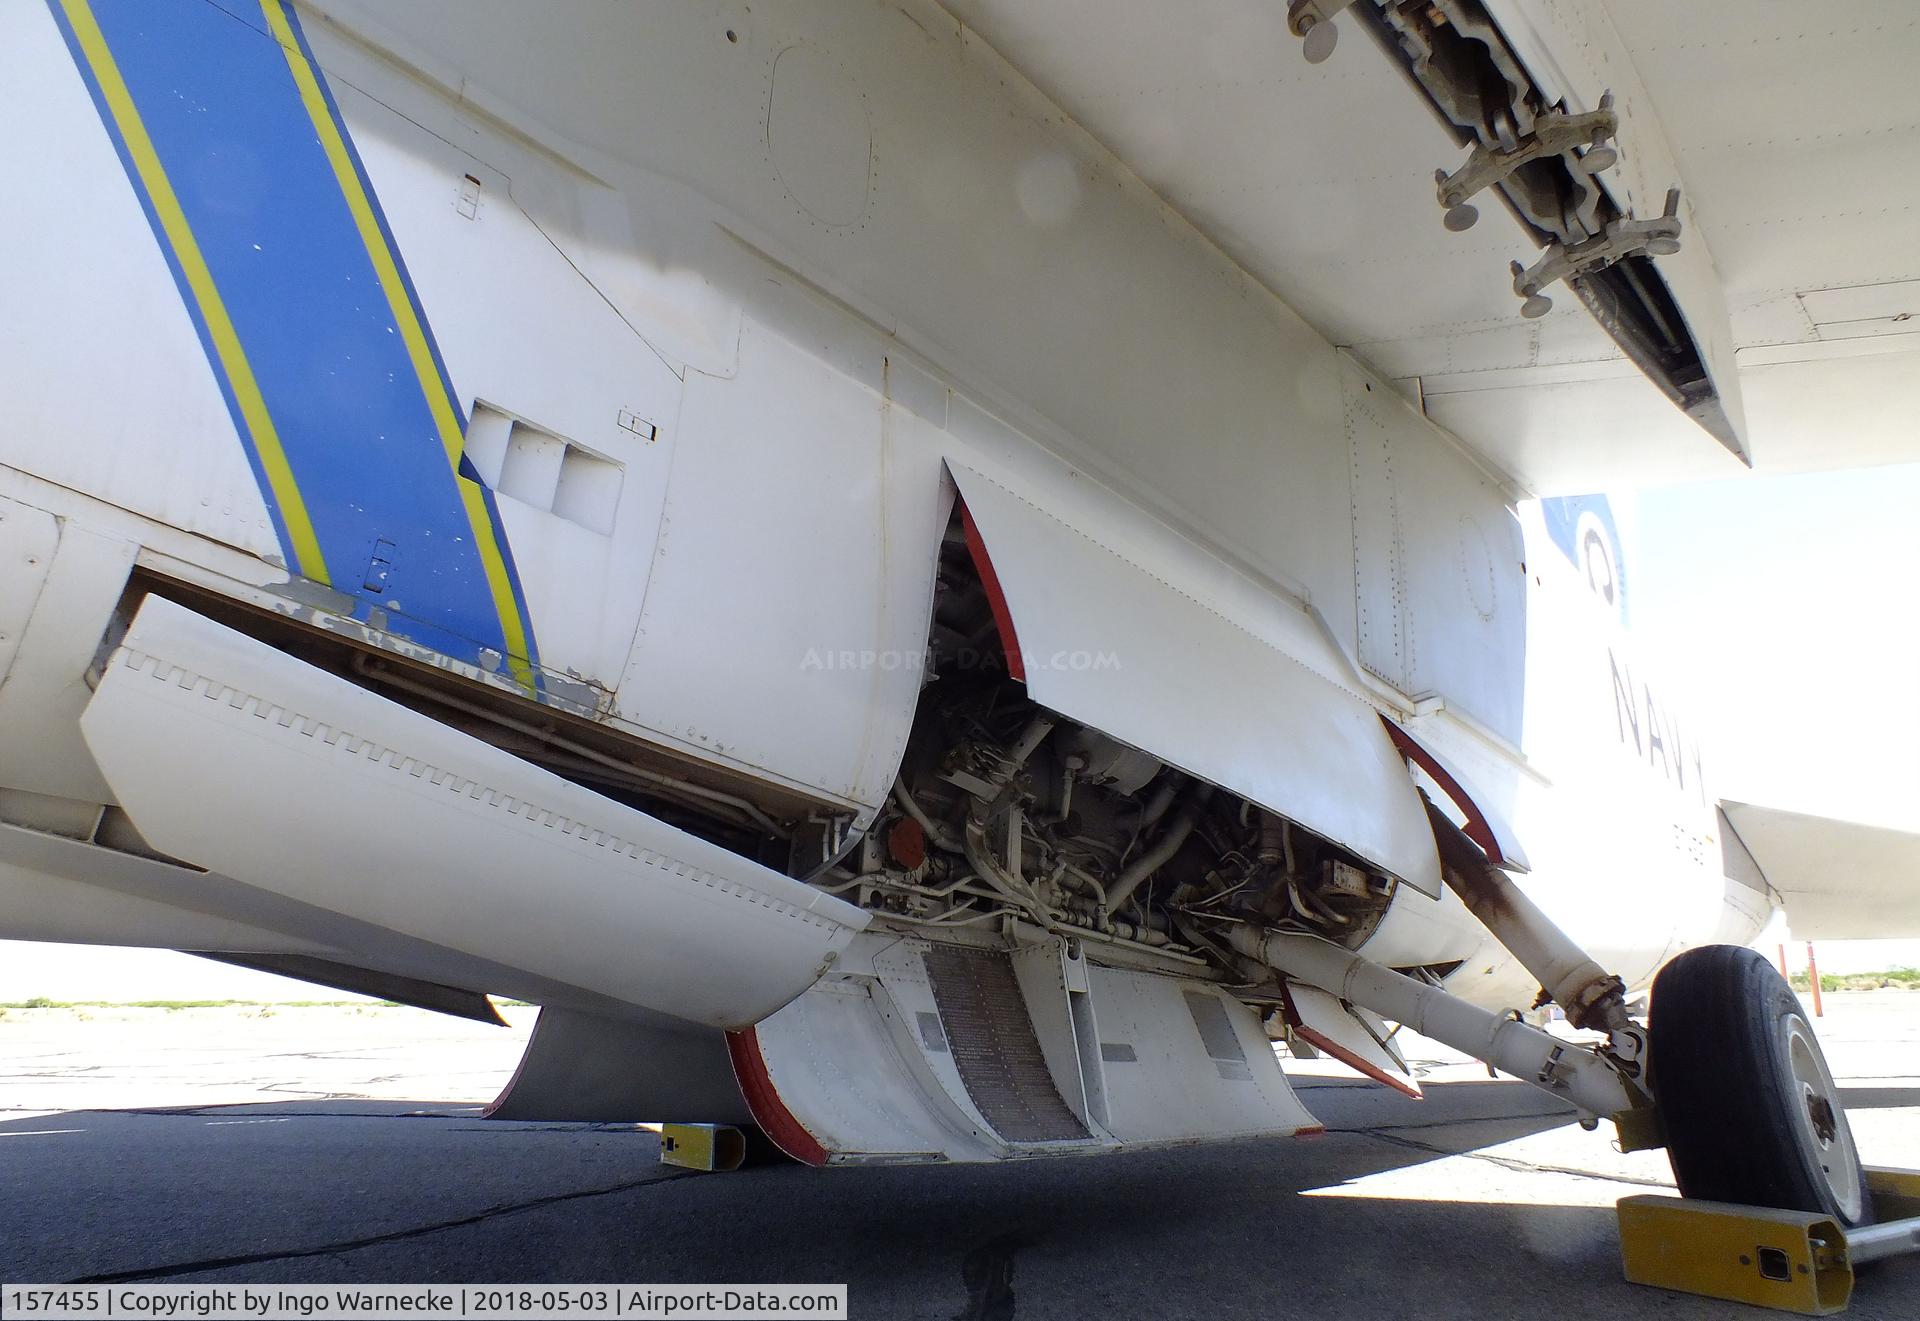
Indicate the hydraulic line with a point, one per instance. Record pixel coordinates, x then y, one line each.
1178 828
936 833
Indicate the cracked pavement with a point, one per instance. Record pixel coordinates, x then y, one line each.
330 1145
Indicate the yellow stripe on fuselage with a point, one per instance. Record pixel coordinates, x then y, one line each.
308 561
412 334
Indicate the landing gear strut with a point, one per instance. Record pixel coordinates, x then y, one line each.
1750 1109
1604 1083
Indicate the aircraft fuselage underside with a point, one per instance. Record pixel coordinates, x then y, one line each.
789 557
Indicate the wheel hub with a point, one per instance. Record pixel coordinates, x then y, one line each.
1820 1112
1822 1133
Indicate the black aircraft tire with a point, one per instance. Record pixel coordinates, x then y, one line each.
1751 1112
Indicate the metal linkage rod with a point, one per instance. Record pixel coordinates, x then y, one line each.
1533 1056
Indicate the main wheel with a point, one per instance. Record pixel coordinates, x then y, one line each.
1751 1112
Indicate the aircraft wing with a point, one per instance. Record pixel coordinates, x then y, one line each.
1838 880
1782 327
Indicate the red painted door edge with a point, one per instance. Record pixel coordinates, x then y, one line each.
1323 1042
996 599
764 1103
1477 829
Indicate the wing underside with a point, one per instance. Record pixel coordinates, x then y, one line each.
1838 880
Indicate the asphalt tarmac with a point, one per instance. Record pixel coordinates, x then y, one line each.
343 1145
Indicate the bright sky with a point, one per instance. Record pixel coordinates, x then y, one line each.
1782 612
1787 611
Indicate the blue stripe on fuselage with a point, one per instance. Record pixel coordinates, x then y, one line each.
240 151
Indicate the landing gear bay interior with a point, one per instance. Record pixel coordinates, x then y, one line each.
948 583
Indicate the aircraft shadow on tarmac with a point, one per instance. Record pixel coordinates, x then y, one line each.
345 1190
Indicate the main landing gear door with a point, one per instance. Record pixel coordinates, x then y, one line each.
1225 680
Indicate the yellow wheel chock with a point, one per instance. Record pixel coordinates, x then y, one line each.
702 1146
1792 1261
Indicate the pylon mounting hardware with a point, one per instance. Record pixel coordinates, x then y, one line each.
1553 134
1623 238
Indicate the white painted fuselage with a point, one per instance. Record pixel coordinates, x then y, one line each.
716 313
